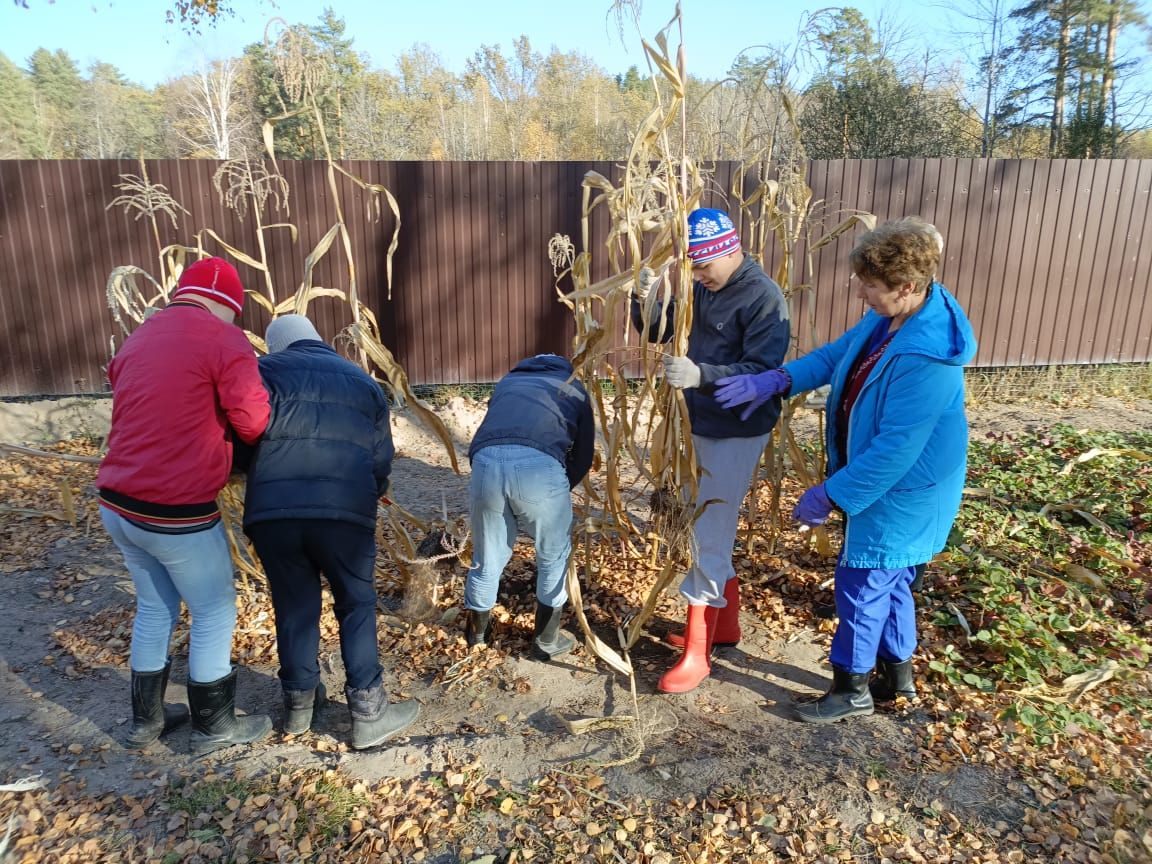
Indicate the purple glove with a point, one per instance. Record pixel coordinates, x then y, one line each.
757 389
813 507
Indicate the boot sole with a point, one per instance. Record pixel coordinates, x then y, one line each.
377 742
202 745
544 656
211 747
299 727
540 654
386 736
885 699
827 721
678 689
139 743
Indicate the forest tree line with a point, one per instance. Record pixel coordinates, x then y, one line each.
1042 79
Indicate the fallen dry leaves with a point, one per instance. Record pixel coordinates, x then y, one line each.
1087 796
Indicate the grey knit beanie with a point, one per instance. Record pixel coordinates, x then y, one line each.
287 329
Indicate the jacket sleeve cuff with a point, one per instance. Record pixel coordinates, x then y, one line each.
709 374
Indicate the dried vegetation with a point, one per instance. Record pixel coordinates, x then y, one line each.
1024 676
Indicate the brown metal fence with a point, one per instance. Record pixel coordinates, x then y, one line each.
1052 259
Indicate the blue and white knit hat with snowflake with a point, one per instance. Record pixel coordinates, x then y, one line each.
711 234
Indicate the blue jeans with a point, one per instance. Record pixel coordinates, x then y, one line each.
294 553
168 568
877 617
514 487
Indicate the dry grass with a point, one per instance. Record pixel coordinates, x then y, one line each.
1060 385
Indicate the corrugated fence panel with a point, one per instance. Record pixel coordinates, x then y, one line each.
1052 259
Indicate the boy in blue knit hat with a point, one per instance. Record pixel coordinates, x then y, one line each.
739 326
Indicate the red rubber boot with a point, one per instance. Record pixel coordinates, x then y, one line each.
727 622
694 665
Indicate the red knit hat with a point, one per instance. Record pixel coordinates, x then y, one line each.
213 279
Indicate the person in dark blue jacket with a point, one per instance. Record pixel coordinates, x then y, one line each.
739 325
310 508
533 447
897 443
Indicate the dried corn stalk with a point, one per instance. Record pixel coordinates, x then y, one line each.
649 465
246 186
781 211
303 73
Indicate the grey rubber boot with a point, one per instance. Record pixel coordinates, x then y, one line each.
374 721
214 721
478 627
892 680
549 642
300 708
849 697
151 718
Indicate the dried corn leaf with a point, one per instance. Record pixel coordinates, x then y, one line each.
594 643
125 298
1097 452
233 251
865 220
363 337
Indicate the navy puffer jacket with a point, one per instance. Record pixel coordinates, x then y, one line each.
327 451
535 405
742 328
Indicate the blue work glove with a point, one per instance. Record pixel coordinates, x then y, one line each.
813 507
757 389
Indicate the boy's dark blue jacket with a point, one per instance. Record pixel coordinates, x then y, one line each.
535 405
741 329
327 451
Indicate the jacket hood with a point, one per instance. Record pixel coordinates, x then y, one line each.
939 330
545 363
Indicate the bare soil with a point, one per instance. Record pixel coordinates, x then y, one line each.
59 716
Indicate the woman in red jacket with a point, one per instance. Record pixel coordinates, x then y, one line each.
183 384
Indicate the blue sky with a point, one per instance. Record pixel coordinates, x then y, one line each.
134 36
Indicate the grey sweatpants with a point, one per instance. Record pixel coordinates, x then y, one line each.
726 468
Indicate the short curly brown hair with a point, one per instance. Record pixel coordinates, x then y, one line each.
898 252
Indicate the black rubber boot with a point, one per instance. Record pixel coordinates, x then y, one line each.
892 680
151 718
549 642
214 721
374 720
849 697
300 708
477 627
917 583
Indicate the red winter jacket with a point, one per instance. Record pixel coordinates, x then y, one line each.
182 379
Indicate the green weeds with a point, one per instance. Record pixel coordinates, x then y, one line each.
1050 571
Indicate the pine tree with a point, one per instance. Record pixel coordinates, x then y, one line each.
17 118
58 87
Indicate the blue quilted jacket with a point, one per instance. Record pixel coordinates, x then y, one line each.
901 480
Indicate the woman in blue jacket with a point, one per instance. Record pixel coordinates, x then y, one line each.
897 442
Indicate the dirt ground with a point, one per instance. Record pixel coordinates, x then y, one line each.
60 716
